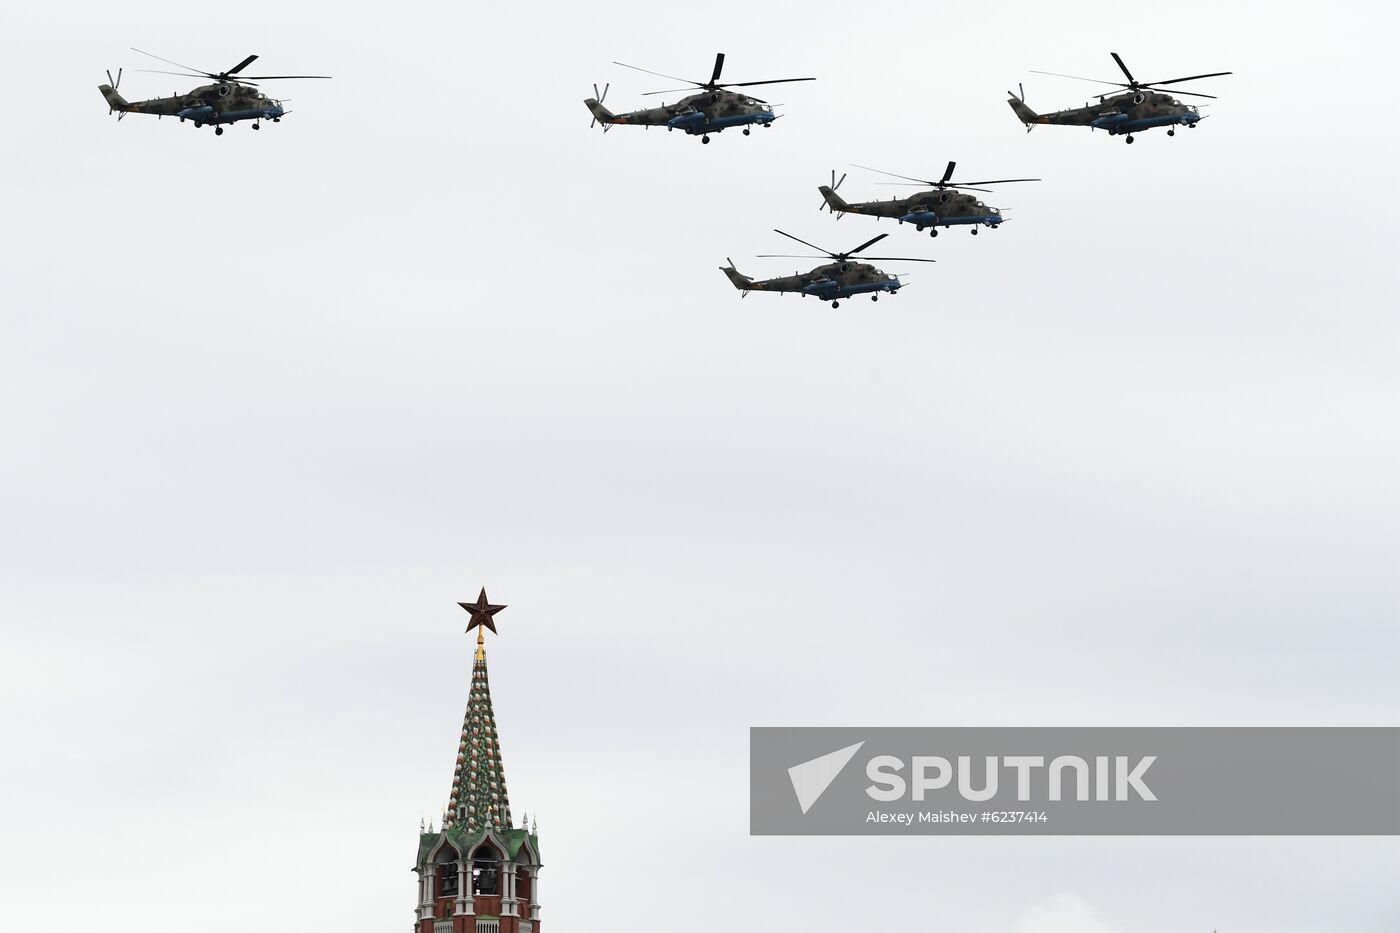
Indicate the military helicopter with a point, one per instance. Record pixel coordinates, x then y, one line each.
229 100
840 278
1122 113
940 207
710 111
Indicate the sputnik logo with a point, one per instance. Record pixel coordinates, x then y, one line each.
811 778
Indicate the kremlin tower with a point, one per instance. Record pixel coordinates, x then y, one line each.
479 873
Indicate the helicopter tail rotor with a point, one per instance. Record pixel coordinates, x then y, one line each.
599 98
832 201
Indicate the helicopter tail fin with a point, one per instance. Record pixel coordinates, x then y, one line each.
600 113
1026 115
114 100
833 200
739 280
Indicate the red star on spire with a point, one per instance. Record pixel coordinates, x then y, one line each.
482 611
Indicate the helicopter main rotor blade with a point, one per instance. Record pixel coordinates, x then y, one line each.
241 65
183 74
1189 93
896 259
755 83
279 77
659 74
1214 74
1078 78
917 181
790 256
206 74
674 90
922 184
1125 68
719 66
994 181
870 242
948 173
813 245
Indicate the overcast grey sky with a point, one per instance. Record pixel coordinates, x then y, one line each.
275 401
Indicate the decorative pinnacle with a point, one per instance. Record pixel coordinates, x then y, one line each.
481 611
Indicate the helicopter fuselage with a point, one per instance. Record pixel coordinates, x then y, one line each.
828 282
1129 112
227 102
936 208
698 115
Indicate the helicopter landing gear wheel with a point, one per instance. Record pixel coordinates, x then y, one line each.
933 231
974 231
256 126
1130 140
218 131
1171 132
276 119
836 304
874 297
746 131
768 125
705 140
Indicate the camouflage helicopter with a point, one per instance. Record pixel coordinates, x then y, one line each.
1122 113
228 100
840 278
710 111
939 207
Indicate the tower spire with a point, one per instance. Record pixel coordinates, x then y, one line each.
479 800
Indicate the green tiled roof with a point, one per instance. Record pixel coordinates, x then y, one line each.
511 840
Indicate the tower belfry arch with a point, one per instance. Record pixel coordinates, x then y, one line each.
479 872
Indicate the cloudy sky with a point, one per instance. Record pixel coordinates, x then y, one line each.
274 402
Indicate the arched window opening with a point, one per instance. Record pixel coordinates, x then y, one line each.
447 872
449 880
486 870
